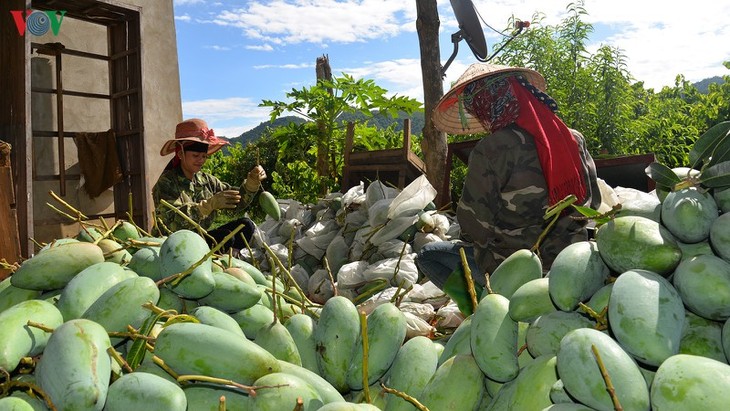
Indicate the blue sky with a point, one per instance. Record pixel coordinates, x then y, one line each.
235 53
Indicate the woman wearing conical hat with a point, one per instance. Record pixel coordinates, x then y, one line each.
197 194
527 161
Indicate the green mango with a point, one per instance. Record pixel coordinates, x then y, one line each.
530 390
531 301
459 341
283 391
630 242
703 282
642 300
544 334
576 274
178 253
702 337
517 269
413 366
276 339
720 236
688 214
301 328
53 268
217 318
386 332
457 384
690 382
583 380
494 338
140 390
336 335
194 348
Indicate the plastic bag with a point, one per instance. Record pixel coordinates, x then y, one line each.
428 293
351 275
300 276
639 203
337 252
377 191
413 198
320 287
390 249
608 196
393 229
422 239
354 196
416 326
378 212
449 316
406 275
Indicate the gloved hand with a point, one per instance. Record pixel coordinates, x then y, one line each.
219 200
254 179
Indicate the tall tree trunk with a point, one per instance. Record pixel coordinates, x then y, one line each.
434 141
324 72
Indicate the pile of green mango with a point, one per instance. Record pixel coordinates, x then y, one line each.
636 318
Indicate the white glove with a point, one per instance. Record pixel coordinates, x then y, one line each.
219 200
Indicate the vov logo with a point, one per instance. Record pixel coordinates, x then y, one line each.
38 22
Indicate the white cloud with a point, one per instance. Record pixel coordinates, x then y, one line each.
284 66
262 47
218 48
661 40
187 2
184 17
318 21
225 109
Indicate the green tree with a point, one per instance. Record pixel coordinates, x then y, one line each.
325 102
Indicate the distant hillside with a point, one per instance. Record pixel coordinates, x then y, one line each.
379 121
256 132
703 85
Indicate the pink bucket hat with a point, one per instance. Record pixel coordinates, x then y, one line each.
194 130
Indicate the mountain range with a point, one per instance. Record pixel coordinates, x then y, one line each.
377 120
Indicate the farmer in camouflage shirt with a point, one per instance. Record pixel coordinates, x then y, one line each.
197 194
528 161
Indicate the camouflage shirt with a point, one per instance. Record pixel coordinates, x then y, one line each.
505 198
186 195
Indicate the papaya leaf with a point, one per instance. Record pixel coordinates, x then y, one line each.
704 146
662 175
716 176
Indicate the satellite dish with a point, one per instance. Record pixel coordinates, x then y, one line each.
469 29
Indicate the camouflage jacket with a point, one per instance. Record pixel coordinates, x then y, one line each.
186 195
505 197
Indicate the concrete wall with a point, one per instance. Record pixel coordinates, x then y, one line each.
161 103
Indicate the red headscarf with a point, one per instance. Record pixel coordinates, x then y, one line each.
499 102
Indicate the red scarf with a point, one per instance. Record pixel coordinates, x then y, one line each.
500 102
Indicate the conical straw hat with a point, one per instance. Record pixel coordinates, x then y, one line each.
446 116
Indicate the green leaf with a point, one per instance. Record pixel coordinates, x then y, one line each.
706 143
662 175
721 152
457 288
137 351
716 176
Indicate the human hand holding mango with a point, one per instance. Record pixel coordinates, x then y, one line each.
220 200
254 179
